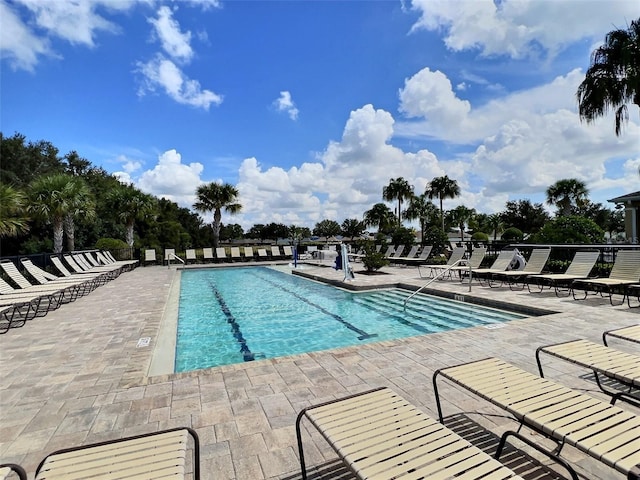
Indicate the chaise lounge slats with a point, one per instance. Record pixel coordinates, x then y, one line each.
150 456
580 268
604 431
631 334
378 434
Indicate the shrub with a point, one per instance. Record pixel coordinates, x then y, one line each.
436 237
512 234
373 260
570 229
480 237
111 244
403 236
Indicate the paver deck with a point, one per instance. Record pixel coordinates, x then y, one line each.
77 376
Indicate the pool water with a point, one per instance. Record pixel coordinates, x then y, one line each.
235 315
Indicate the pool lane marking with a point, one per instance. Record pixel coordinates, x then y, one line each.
362 334
247 355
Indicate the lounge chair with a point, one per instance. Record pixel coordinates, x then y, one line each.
390 250
435 269
287 252
149 456
275 253
248 253
473 263
105 272
499 265
7 468
625 272
207 254
85 284
620 366
631 334
378 434
514 278
100 278
19 306
262 254
169 254
106 259
580 267
412 254
190 255
221 254
150 255
235 254
605 432
420 259
69 291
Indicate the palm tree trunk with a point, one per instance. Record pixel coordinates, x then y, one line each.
129 233
70 230
441 213
217 216
399 214
58 235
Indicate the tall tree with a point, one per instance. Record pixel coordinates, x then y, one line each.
352 227
80 202
613 79
442 187
48 201
422 209
567 194
525 216
326 228
214 197
379 216
131 204
398 189
460 217
13 206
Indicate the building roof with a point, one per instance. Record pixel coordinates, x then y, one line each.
629 197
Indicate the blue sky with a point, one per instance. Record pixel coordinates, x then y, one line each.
311 107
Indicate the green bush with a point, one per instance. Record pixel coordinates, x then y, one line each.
111 244
403 236
512 234
570 229
436 237
373 260
480 237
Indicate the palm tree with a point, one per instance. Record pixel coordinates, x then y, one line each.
381 216
213 197
442 187
398 189
567 193
613 79
131 204
496 224
13 219
80 203
48 201
352 227
460 216
422 209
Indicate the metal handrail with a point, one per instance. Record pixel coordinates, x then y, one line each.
431 280
174 256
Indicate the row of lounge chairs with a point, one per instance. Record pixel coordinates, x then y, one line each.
624 278
33 292
236 254
378 434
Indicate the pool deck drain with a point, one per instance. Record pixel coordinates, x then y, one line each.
76 376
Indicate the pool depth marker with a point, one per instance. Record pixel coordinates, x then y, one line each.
247 355
362 334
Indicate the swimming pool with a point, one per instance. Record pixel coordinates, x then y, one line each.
235 315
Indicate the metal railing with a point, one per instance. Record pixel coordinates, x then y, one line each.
173 255
446 269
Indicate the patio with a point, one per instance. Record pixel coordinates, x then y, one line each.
77 376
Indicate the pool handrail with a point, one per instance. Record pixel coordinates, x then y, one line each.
173 255
433 279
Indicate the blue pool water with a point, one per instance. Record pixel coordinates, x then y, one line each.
235 315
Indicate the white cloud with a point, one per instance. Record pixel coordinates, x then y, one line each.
163 73
172 179
285 104
18 43
175 43
519 28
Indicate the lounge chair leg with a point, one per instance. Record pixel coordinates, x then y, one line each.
551 455
435 391
303 468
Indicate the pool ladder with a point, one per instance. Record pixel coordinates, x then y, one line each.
447 269
173 255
